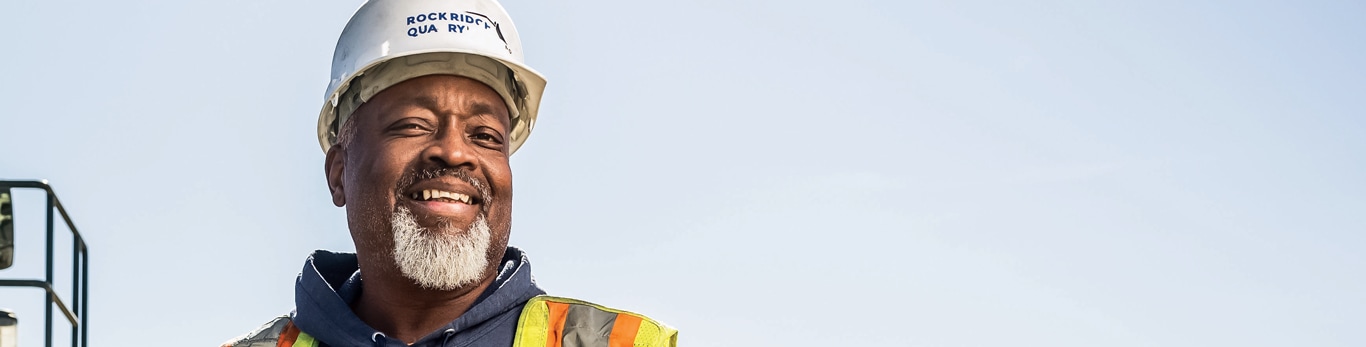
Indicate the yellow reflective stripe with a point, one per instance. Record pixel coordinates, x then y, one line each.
653 333
533 327
305 340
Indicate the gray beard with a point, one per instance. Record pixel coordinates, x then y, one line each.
444 259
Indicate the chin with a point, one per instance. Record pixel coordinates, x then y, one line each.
446 258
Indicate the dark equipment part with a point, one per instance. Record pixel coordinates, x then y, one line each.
6 228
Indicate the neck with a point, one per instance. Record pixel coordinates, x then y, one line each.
393 304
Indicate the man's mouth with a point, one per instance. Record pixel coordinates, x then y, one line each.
446 204
443 196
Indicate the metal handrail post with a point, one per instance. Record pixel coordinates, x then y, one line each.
75 285
85 292
48 332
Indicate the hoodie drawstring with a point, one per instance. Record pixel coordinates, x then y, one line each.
447 339
377 338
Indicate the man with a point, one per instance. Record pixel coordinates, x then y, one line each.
428 100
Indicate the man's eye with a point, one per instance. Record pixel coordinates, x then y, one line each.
408 127
485 136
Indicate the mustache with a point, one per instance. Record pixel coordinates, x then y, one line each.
415 175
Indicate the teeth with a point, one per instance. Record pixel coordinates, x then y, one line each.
430 194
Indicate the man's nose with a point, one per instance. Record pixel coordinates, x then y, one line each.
451 148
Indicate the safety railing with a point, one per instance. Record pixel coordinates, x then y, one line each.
80 266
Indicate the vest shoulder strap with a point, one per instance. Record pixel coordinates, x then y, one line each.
267 335
549 321
280 332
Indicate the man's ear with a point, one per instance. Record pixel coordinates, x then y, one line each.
334 165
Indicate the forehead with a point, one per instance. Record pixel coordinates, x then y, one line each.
443 94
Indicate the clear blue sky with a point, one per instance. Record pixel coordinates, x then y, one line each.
779 173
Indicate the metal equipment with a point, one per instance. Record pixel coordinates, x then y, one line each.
80 262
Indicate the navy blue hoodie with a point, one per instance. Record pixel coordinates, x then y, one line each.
331 281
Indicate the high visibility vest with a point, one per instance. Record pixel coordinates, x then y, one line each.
546 321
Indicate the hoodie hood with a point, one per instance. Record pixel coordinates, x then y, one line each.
330 281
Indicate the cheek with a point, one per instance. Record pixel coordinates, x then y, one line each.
377 177
500 180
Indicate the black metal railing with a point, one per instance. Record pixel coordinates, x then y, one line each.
80 274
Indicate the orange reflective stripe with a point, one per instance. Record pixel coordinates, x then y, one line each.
288 335
558 312
624 331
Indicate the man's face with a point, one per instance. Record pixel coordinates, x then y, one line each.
426 159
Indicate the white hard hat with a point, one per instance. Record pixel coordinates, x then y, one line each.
390 41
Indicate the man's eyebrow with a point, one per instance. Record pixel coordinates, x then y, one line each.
479 108
427 102
485 109
476 108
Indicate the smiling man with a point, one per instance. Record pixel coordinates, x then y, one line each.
428 100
